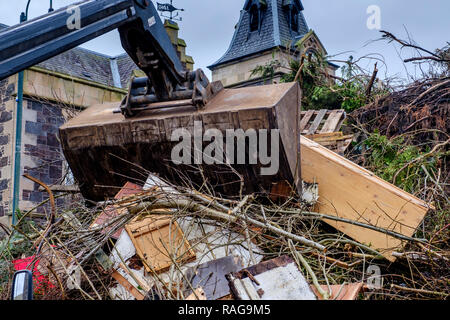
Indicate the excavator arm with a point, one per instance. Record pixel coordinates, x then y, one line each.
142 36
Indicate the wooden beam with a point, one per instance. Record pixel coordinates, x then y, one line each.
306 116
350 191
127 285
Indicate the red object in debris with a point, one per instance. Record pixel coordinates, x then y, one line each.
341 292
40 282
111 212
128 189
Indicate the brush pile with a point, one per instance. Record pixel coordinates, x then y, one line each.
255 228
422 109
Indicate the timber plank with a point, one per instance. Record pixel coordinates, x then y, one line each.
325 136
352 192
332 122
306 116
127 285
315 125
198 295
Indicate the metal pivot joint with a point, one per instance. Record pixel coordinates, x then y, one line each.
197 91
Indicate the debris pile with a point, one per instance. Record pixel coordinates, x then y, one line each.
349 235
160 241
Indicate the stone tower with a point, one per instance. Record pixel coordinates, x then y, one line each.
265 25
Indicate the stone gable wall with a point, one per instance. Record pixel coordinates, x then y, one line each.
42 157
6 119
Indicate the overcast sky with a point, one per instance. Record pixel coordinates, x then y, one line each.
208 26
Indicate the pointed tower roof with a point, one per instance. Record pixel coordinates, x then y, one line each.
264 25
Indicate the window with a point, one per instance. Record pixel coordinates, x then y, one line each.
254 18
294 19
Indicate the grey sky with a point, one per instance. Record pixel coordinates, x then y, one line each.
208 26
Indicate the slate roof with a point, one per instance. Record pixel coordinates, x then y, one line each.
126 66
90 65
274 32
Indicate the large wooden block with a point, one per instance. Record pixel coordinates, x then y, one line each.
349 191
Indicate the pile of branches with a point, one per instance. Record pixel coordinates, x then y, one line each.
404 137
422 110
326 256
419 110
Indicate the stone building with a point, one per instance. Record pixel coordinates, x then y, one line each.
54 91
172 29
267 30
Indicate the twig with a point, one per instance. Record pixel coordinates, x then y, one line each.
356 223
300 68
419 290
200 210
423 94
298 256
435 148
372 81
389 35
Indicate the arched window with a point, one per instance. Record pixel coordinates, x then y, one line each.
254 18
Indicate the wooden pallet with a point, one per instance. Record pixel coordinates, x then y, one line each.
322 126
321 121
335 141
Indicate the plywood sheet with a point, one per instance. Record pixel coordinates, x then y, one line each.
350 191
157 239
